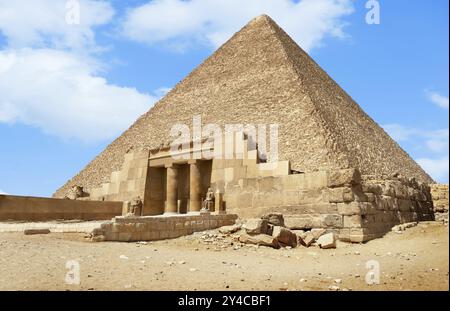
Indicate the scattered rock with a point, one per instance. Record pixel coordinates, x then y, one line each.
317 233
338 281
230 229
308 240
275 219
260 239
123 257
36 231
327 241
284 236
256 226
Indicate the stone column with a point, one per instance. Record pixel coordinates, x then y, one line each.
195 187
171 190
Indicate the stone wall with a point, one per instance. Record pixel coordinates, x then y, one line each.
128 182
43 209
356 209
439 192
150 228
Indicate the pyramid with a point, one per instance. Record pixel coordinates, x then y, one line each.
261 76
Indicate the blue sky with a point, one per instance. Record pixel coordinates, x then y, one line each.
67 90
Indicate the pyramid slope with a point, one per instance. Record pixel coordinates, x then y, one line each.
350 130
261 76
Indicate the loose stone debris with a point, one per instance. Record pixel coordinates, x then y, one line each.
36 231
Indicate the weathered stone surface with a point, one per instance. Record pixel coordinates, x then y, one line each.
275 219
285 236
317 233
342 194
327 241
259 239
230 229
256 226
344 178
36 231
308 240
440 195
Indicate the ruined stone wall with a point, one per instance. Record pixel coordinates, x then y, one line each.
357 210
43 209
439 192
150 228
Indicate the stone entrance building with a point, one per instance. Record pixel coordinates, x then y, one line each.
338 169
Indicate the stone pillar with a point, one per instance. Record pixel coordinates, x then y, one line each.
195 187
172 190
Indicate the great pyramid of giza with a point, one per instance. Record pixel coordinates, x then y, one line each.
262 76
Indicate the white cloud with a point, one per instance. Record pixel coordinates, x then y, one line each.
42 23
437 99
434 144
48 78
63 95
180 23
2 192
435 141
437 168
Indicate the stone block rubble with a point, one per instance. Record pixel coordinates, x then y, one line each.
269 230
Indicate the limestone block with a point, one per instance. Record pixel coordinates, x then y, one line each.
318 232
244 200
268 199
291 182
125 236
341 194
372 188
256 226
333 221
308 240
348 209
275 219
260 239
304 222
354 221
344 178
315 180
344 235
230 229
327 241
284 236
316 196
291 197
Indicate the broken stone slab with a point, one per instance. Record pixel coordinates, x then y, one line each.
285 236
317 233
308 240
260 239
327 241
36 231
275 219
230 229
256 226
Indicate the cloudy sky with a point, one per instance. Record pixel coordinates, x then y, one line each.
67 89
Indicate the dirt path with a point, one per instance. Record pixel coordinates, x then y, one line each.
418 259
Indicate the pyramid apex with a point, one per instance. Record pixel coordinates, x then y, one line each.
261 18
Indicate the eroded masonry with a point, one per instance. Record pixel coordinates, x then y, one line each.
337 169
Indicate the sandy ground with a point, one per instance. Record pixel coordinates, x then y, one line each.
418 259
